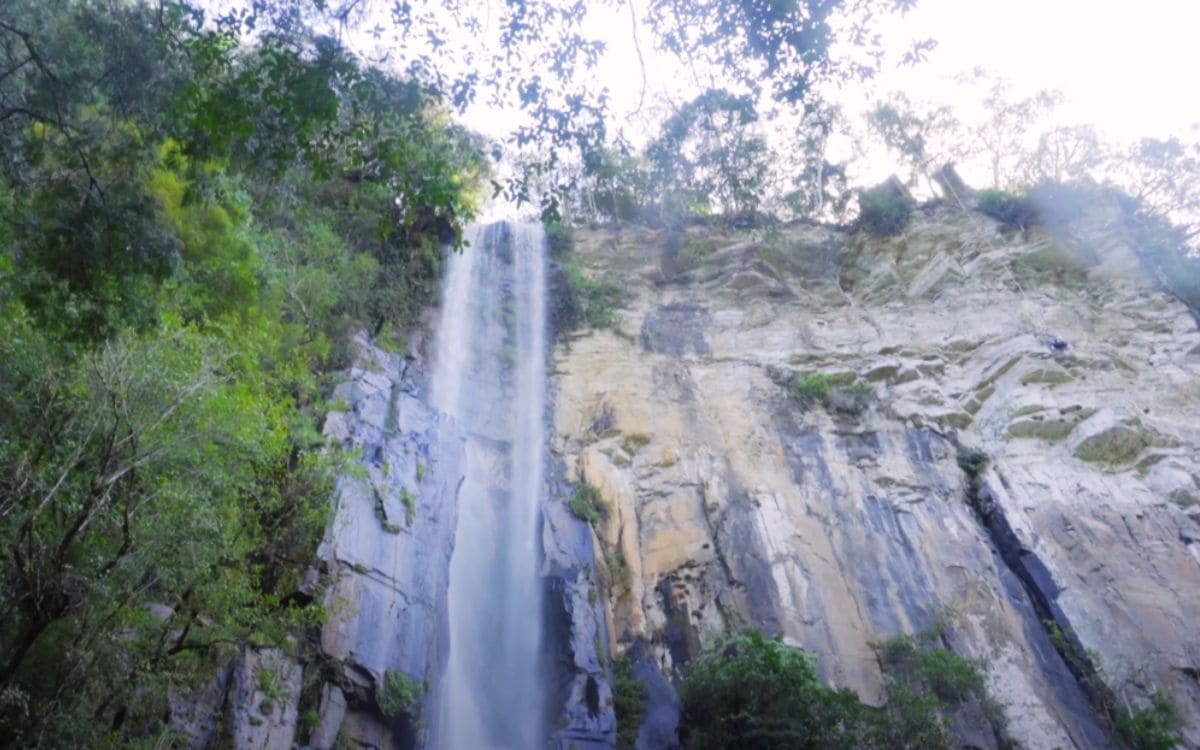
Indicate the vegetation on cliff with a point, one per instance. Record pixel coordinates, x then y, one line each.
190 230
748 691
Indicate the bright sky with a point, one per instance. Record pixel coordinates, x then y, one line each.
1128 67
1123 66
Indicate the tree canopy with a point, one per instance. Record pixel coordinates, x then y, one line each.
191 228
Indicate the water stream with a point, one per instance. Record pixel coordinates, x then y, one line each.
489 378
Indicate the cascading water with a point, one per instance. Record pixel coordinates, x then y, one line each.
489 378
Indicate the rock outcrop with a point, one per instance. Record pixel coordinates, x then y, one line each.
777 422
388 549
381 575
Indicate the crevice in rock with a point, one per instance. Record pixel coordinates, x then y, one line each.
1042 591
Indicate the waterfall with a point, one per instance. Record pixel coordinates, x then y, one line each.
489 378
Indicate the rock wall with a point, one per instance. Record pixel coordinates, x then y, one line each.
381 574
387 552
840 520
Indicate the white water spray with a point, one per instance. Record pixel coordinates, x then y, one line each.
490 378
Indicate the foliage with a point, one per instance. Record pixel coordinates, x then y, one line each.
812 387
746 691
308 722
972 461
620 577
587 504
614 184
921 136
1009 209
1163 179
1001 136
397 694
579 301
1063 154
1164 251
749 692
559 238
917 659
629 702
839 393
780 49
708 159
883 212
808 183
1154 727
410 505
925 683
190 230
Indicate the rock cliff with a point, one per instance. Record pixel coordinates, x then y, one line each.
841 438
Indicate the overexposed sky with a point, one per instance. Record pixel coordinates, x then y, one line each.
1126 67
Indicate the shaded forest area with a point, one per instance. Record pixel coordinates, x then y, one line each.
191 228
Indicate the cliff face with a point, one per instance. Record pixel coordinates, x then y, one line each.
780 425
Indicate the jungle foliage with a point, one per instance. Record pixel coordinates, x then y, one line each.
754 693
191 228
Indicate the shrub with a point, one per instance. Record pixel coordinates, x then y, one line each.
410 505
629 698
746 691
840 393
811 387
884 212
588 504
924 682
308 722
620 578
397 694
579 302
972 461
1152 727
598 300
559 238
919 661
1009 209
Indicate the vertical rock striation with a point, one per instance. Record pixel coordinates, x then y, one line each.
388 549
776 424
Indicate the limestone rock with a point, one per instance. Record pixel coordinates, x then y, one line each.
732 505
263 700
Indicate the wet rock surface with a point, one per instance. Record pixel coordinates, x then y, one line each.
577 630
262 701
388 548
733 501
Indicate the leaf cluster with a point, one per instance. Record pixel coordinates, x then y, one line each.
191 229
578 301
629 702
750 692
587 504
884 212
839 393
747 691
397 693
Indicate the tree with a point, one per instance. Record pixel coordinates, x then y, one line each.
1163 176
190 229
1065 154
924 138
708 158
781 49
748 692
530 56
1002 135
